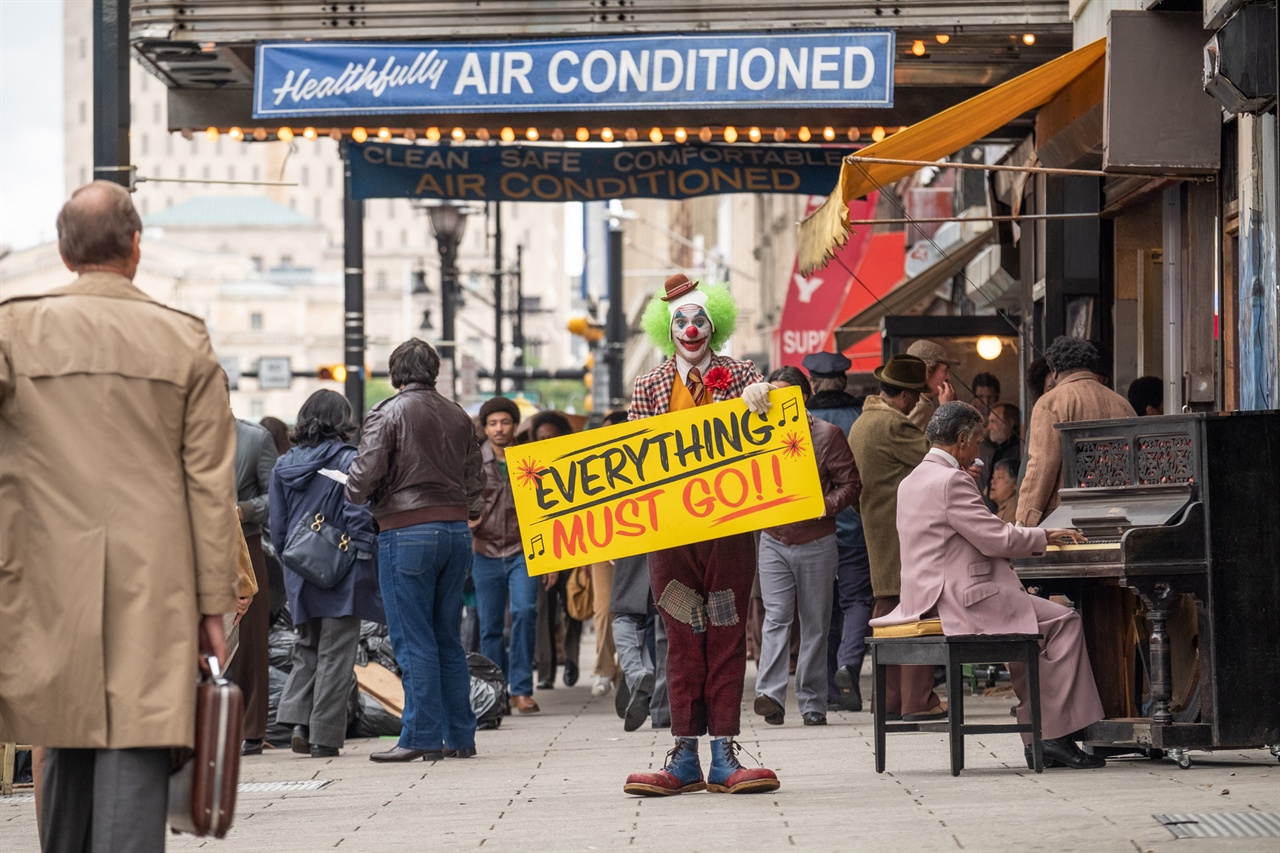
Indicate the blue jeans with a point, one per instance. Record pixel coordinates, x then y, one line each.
499 581
421 570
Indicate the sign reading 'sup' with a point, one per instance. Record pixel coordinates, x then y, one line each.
655 483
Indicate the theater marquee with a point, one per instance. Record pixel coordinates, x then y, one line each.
793 69
588 173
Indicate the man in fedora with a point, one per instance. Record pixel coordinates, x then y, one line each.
937 371
701 589
887 446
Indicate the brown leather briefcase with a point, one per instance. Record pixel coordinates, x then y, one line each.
202 792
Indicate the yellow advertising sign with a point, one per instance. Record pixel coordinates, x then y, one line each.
655 483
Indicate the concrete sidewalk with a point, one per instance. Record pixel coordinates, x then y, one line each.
554 782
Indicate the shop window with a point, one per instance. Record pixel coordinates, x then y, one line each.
255 321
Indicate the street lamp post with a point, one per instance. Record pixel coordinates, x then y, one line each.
449 222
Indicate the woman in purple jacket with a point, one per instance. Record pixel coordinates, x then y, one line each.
305 482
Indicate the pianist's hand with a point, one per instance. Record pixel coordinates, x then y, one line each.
1065 537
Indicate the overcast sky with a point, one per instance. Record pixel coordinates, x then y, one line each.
31 147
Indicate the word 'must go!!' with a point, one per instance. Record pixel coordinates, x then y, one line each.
659 482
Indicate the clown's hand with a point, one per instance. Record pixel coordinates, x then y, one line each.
757 397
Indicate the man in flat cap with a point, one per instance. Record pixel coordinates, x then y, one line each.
847 641
887 446
937 365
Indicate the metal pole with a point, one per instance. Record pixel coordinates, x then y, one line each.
993 167
615 328
517 328
1022 217
497 297
353 289
111 91
448 305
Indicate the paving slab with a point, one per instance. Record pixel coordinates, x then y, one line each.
553 781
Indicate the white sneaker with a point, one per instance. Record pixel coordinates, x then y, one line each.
602 686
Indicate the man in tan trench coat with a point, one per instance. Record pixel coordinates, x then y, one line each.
117 531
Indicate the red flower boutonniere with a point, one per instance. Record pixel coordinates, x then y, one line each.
718 379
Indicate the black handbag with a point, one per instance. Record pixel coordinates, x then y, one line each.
319 552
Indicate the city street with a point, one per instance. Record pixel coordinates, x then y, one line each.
554 782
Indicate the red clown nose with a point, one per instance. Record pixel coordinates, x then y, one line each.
690 332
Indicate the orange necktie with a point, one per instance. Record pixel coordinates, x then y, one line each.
696 389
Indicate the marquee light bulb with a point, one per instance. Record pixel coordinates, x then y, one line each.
632 134
309 133
335 134
433 134
211 134
260 133
942 38
730 134
582 134
917 47
410 134
829 133
531 134
359 134
557 134
877 133
482 133
606 134
779 134
1028 39
681 135
458 134
705 134
803 134
285 134
754 134
507 135
655 135
854 134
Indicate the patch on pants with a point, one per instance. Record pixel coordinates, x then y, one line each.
684 605
722 610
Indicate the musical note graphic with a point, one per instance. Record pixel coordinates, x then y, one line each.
790 406
536 542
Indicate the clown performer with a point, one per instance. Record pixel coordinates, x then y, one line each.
701 589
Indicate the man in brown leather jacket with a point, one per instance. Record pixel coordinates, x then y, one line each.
419 467
498 569
798 569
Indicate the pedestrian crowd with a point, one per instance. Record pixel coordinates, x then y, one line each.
128 489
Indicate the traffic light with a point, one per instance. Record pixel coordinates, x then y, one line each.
332 372
587 328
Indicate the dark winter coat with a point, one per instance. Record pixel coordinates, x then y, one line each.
298 491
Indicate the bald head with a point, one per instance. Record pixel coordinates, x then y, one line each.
99 226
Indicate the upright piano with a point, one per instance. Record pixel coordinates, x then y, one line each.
1182 513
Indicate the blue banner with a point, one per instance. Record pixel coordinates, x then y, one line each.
845 68
588 173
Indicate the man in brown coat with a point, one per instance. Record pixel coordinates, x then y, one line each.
1077 395
887 446
117 531
937 370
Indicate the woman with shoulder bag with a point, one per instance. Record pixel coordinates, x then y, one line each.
327 604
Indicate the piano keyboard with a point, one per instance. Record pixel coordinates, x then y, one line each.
1113 545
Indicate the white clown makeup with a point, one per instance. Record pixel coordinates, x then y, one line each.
691 329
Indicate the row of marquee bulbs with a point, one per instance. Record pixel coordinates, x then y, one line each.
433 134
918 48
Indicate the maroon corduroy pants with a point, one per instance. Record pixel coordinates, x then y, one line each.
705 670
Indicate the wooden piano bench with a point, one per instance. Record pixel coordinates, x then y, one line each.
913 645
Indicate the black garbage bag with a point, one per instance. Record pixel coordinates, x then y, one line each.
278 734
281 638
375 645
371 719
489 697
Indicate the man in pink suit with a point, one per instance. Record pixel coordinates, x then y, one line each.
955 567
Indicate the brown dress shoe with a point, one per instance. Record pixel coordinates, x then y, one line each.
524 705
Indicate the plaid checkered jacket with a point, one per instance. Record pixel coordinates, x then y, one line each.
652 392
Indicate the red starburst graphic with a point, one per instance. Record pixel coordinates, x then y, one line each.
529 472
793 445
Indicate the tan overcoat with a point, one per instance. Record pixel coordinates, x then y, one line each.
1077 397
117 526
886 447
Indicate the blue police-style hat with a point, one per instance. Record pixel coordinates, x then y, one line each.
826 364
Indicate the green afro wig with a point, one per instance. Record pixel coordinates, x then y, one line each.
720 307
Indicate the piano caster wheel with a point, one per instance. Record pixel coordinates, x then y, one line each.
1181 757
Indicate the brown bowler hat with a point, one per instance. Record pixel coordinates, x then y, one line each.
903 371
676 286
